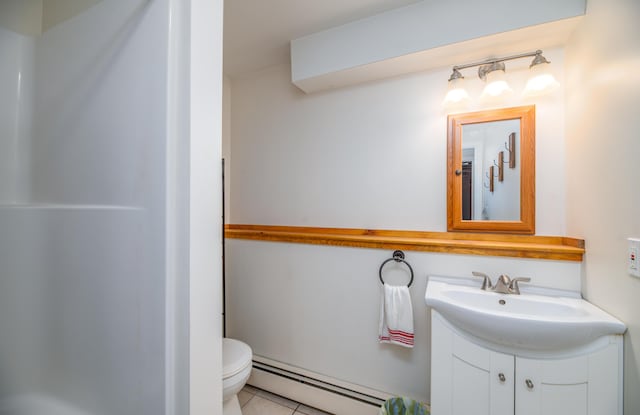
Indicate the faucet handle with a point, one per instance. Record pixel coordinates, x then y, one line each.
513 285
486 284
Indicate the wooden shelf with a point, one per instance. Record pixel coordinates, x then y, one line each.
517 246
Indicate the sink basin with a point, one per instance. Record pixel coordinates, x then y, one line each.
526 321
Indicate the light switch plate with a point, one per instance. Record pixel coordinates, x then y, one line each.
633 262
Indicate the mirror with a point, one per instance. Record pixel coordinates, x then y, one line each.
491 171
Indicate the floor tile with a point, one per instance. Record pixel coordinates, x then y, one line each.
307 410
277 399
261 406
244 397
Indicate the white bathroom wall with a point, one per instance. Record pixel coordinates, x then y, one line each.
603 85
317 307
370 156
16 89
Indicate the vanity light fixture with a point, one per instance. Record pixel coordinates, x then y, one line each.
492 71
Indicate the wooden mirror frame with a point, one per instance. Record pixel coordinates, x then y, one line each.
527 148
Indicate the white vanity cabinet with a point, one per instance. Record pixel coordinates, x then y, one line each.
466 378
469 378
588 384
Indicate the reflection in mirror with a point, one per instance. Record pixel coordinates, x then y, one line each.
491 171
481 147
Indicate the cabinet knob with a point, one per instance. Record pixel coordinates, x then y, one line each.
502 377
529 383
458 172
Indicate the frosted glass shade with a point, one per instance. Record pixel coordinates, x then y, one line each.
540 82
456 96
497 86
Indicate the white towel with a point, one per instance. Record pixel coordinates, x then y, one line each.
396 316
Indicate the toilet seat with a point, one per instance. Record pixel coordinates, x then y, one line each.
236 357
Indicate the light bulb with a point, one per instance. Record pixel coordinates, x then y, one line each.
540 82
497 86
456 96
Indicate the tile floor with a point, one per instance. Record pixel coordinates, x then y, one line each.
259 402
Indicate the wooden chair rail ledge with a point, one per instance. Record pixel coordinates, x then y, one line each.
518 246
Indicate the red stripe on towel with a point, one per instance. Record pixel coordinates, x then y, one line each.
405 339
401 340
401 333
396 339
408 343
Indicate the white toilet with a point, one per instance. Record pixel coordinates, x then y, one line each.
236 362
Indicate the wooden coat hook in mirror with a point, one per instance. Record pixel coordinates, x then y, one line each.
475 205
491 174
511 148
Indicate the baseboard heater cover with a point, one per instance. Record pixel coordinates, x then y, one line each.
315 390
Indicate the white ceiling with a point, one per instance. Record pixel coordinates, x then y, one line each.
257 32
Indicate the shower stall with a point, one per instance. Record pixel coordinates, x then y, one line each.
94 286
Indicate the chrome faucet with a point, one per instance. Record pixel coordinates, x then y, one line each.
504 285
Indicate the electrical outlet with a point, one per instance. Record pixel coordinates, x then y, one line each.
633 262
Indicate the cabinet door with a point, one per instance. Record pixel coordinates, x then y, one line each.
585 385
466 378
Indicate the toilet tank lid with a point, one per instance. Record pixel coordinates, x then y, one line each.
236 356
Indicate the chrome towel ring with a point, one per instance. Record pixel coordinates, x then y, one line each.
398 256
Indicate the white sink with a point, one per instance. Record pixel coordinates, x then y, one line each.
525 321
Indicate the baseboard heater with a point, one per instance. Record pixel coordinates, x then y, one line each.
315 390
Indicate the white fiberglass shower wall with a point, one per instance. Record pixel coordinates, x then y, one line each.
84 134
